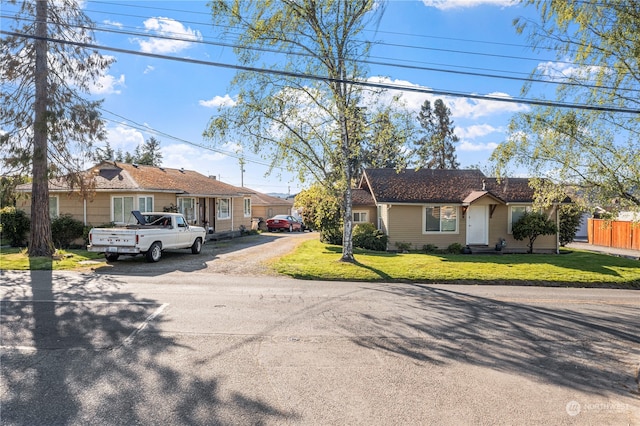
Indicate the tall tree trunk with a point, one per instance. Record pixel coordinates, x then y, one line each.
40 239
347 234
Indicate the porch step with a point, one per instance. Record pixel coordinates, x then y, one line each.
484 249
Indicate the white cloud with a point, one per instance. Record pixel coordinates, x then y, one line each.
470 146
218 101
112 23
460 107
149 69
476 131
563 71
194 158
461 4
124 138
476 108
107 85
179 39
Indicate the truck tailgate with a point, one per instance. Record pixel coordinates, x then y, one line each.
115 237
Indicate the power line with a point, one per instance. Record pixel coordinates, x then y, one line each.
438 69
401 88
176 37
148 129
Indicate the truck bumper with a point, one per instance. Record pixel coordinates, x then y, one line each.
112 249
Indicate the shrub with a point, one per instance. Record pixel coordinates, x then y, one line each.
429 248
15 225
531 225
570 216
366 236
65 230
331 235
321 210
403 247
455 248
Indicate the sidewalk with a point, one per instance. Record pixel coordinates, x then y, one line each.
583 245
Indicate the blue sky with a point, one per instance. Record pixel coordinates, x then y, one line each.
173 101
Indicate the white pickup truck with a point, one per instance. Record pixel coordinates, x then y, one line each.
153 233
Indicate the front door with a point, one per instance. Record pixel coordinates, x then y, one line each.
478 225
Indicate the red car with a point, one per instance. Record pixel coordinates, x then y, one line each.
284 222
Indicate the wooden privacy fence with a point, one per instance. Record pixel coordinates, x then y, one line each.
624 235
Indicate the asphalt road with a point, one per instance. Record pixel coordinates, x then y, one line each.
135 344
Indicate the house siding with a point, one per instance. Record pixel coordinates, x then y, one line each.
403 224
265 212
372 213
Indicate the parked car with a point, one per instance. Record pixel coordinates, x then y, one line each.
284 222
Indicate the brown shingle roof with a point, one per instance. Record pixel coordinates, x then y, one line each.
152 178
260 199
361 197
116 176
441 186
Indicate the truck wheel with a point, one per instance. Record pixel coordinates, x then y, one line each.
154 253
111 257
197 246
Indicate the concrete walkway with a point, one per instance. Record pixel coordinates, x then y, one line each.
583 245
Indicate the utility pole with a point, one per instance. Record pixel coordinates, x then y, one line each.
241 160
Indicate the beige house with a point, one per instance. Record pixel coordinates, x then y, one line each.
442 207
118 188
265 206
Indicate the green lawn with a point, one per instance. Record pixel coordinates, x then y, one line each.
317 261
17 259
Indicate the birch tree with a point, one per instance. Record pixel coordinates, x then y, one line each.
596 152
47 125
305 117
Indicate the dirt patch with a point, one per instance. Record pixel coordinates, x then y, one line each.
238 256
248 257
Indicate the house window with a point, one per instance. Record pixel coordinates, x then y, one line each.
247 207
223 210
440 219
121 209
187 206
145 204
515 213
54 209
360 217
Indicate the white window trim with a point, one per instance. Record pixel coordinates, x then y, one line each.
125 215
218 209
153 202
424 220
247 213
360 212
56 199
528 208
193 203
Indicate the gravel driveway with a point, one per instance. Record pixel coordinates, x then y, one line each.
238 256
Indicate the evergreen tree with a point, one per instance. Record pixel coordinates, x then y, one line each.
43 112
149 154
436 149
104 154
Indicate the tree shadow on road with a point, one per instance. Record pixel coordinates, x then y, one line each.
593 349
76 349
